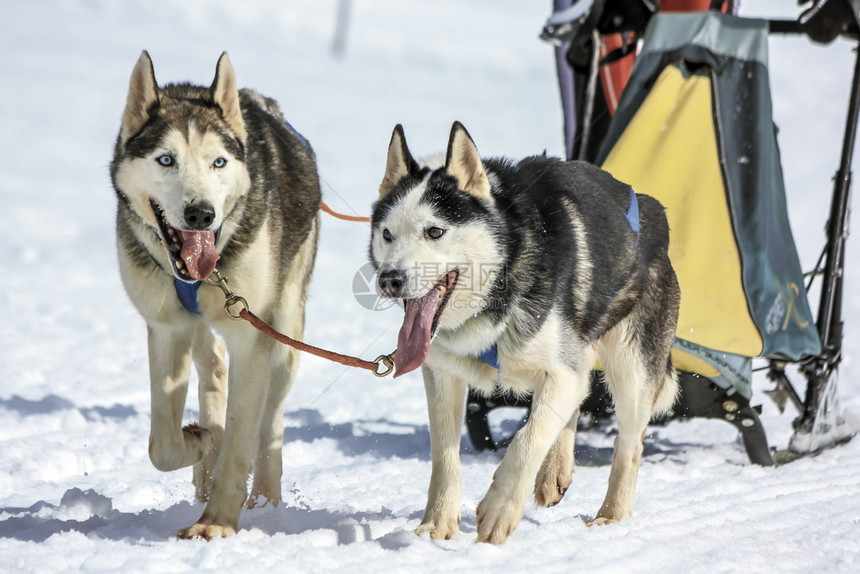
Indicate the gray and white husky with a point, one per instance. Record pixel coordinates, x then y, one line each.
525 276
207 175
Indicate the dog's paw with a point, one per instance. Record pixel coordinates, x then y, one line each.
550 493
198 440
167 454
498 516
443 530
206 531
551 484
601 520
610 513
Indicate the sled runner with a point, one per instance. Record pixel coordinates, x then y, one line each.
694 129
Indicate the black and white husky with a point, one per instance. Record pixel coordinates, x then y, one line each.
526 276
206 176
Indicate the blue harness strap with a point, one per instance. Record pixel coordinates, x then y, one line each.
632 214
187 293
302 139
490 356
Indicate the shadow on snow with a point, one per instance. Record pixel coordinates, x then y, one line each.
53 403
92 514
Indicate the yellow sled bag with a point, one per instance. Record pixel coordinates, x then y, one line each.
694 129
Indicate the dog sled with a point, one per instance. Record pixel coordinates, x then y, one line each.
693 127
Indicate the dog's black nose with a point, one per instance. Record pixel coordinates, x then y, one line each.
199 215
391 282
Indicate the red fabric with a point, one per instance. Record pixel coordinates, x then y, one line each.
614 76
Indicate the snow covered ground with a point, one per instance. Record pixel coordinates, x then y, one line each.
77 491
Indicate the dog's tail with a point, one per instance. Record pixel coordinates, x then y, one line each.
667 394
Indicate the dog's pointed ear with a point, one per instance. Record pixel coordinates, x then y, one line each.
143 93
464 163
399 163
225 94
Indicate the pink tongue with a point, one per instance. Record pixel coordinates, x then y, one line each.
413 342
198 252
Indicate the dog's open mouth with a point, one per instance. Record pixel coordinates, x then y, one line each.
192 253
419 324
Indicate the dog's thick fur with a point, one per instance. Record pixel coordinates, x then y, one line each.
550 263
205 175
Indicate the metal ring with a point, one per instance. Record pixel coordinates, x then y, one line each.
233 300
388 361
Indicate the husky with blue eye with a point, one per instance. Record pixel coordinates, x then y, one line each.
524 276
208 176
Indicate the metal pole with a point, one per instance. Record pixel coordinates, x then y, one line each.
830 308
590 94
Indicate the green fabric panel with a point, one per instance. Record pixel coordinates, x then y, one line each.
736 370
773 280
720 34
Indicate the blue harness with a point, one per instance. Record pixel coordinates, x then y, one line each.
632 215
302 139
491 355
187 292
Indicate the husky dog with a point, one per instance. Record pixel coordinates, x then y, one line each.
523 276
206 175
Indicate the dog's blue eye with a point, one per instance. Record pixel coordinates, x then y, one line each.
386 234
219 162
434 232
165 160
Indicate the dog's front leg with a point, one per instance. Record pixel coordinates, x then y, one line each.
209 359
446 400
553 405
170 445
268 464
248 379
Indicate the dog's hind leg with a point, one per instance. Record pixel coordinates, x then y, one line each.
446 402
172 446
642 383
632 411
289 318
209 360
554 476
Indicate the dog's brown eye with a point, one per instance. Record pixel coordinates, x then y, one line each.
386 235
434 232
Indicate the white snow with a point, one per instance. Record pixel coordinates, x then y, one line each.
77 491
